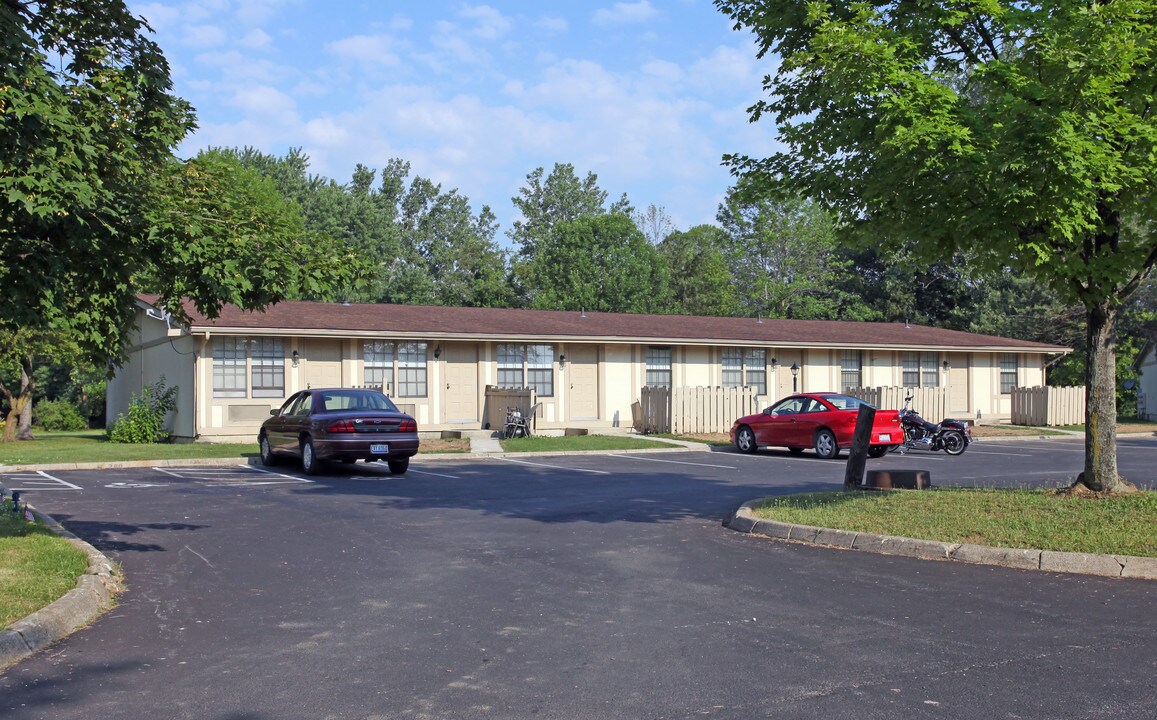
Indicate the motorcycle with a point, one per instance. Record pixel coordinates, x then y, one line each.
951 436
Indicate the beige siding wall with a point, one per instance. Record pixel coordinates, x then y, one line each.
158 354
1147 386
700 364
621 373
624 378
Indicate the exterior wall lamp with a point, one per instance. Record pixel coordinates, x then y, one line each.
296 358
437 352
794 377
561 362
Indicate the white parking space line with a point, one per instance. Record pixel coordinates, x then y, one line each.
1041 446
40 480
427 472
227 477
555 467
675 462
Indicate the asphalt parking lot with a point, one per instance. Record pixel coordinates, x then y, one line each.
593 586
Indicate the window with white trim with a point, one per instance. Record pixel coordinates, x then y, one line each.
921 369
267 367
851 369
1008 368
755 369
378 361
511 365
659 367
526 366
411 369
540 369
745 367
229 367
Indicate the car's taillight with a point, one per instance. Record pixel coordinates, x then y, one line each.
408 426
341 426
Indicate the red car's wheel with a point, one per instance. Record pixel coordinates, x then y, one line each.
826 445
745 440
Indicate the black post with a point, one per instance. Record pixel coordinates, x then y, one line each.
858 455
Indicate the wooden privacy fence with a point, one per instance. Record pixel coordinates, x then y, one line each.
1043 406
688 410
931 403
499 399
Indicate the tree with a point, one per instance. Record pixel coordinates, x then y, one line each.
423 245
18 349
601 263
654 223
458 252
893 286
1021 134
93 201
700 276
228 235
785 257
87 123
562 197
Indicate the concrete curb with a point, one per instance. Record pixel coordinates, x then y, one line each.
1123 566
94 593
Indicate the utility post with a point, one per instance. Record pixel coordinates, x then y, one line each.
861 440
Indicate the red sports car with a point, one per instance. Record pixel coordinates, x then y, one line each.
824 421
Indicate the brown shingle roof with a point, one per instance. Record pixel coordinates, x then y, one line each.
427 322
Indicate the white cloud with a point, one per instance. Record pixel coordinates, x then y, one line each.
159 16
621 13
264 101
255 12
552 25
490 24
729 67
256 38
454 49
236 66
373 49
326 131
663 70
204 36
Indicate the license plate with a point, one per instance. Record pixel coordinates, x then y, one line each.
379 448
885 437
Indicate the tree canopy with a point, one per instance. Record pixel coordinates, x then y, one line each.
598 262
1019 134
95 207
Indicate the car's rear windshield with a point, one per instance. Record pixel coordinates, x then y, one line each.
355 400
844 402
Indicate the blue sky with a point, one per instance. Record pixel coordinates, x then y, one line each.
648 95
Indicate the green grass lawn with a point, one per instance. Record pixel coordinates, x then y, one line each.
542 443
37 566
93 446
1034 519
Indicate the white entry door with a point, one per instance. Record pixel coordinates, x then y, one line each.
582 378
460 395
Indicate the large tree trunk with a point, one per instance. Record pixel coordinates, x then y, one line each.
1101 404
19 404
24 430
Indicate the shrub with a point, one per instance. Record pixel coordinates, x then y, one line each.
145 421
57 415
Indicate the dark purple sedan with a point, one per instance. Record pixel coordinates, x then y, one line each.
339 424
